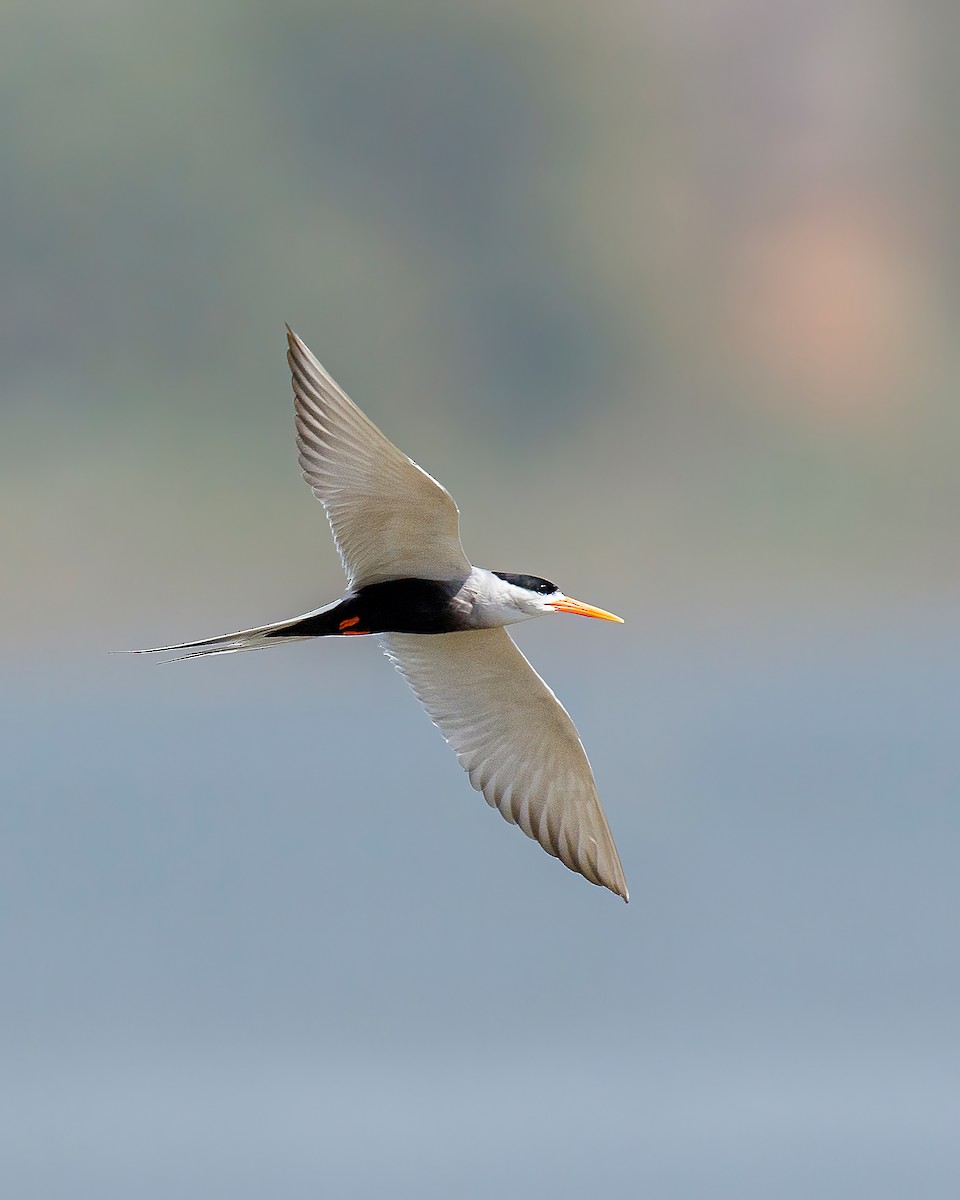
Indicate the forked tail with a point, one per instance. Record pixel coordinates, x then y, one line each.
297 629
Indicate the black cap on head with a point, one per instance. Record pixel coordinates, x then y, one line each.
531 583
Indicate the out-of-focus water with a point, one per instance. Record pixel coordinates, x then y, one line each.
259 937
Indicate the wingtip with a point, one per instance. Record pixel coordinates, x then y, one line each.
619 889
295 342
298 352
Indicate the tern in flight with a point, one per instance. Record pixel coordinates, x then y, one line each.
441 622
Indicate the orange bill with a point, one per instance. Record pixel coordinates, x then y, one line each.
568 605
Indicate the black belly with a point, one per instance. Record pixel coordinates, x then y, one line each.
395 606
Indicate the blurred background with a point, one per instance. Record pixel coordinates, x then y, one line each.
666 294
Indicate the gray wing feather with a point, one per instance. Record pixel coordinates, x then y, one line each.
389 518
515 740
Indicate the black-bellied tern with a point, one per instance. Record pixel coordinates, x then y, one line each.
441 622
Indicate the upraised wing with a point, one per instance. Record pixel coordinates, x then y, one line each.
515 740
390 519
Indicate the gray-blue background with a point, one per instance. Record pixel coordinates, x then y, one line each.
665 294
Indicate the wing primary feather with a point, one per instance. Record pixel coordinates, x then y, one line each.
516 742
389 518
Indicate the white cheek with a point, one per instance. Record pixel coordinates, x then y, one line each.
512 614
